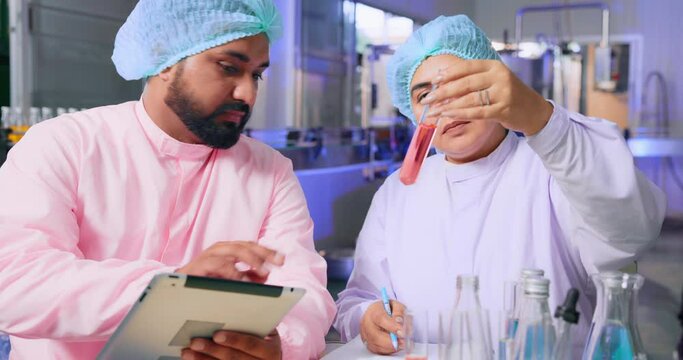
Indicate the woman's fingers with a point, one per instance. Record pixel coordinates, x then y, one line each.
491 112
462 68
459 87
470 100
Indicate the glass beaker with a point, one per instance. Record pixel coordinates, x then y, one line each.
415 330
614 334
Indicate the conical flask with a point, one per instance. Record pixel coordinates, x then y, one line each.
614 334
470 336
535 338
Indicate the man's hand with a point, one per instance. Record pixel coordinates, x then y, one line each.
234 346
234 260
376 325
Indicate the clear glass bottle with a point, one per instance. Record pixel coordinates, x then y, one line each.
46 113
567 316
5 117
519 296
16 125
535 338
469 325
615 331
34 116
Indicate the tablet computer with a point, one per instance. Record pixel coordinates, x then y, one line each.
176 308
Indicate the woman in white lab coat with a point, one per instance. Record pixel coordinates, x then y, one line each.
566 197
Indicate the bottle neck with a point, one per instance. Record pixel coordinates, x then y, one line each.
467 298
535 307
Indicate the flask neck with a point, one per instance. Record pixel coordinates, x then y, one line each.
617 304
467 297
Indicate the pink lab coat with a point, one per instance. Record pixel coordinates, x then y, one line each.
94 204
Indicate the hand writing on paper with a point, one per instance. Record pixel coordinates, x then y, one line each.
376 325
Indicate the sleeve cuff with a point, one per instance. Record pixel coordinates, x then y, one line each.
546 140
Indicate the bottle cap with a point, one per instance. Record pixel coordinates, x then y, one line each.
531 272
536 286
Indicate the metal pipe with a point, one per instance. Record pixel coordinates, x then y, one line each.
660 111
557 7
604 42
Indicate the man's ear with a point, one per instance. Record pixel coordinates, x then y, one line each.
167 74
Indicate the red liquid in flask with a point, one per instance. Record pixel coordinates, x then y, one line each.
417 152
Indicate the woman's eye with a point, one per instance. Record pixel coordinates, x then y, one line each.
229 69
258 77
422 96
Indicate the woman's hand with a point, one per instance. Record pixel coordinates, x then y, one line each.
376 325
488 90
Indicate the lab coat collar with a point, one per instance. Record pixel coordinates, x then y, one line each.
164 143
462 172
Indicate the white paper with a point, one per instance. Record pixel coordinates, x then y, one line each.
355 349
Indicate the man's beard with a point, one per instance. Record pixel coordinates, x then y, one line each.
212 133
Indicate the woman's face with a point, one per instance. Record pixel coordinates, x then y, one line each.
461 141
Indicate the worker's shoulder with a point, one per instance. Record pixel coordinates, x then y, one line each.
524 153
103 120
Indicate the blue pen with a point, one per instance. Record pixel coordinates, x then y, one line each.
387 308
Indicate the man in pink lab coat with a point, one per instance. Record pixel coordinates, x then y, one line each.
95 203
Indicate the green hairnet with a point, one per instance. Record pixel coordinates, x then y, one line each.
455 35
160 33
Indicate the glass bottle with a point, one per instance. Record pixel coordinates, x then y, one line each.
469 325
567 316
615 331
46 113
34 117
16 125
5 117
535 338
519 297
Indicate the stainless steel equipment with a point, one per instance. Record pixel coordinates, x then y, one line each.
603 77
60 53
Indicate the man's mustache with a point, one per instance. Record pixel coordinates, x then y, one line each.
236 106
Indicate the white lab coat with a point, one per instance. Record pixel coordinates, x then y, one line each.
568 200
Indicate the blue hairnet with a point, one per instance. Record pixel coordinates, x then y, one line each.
160 33
454 35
